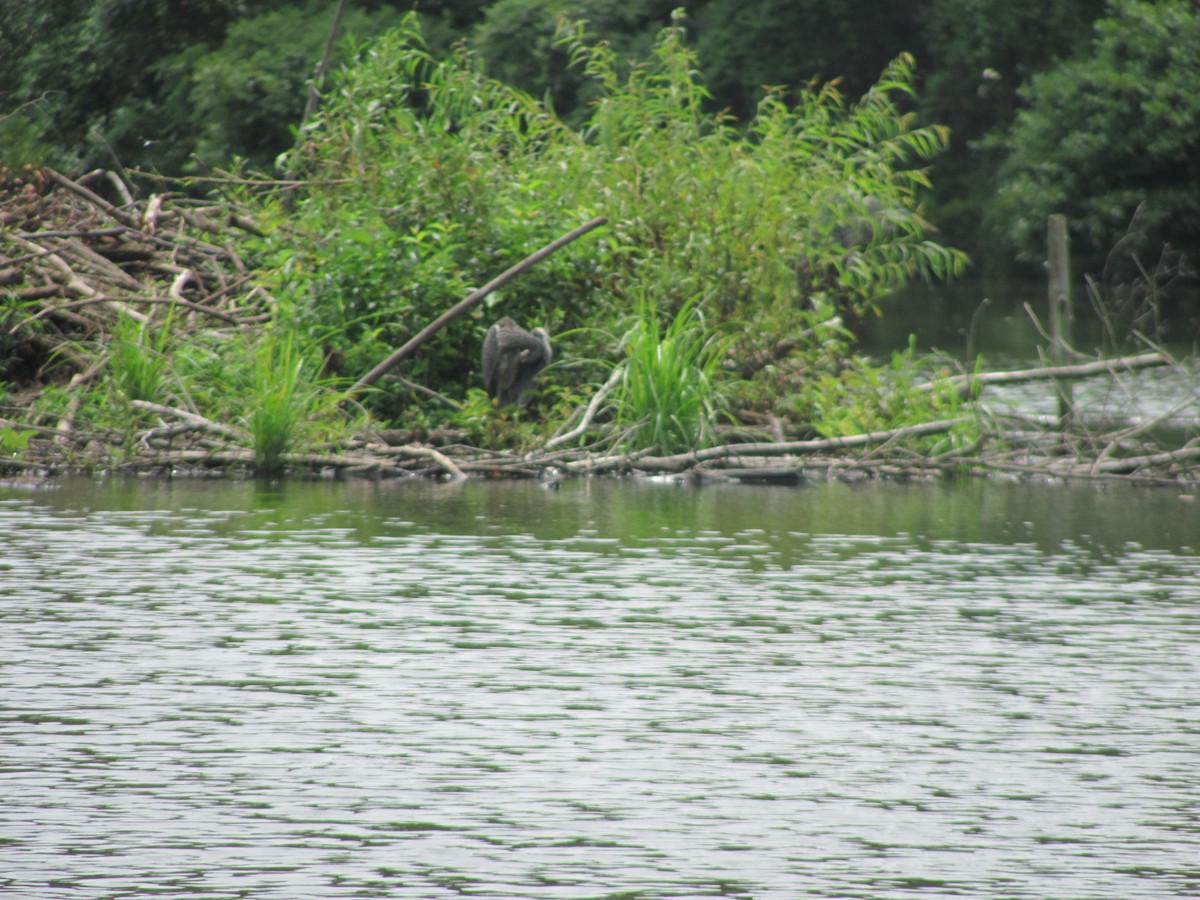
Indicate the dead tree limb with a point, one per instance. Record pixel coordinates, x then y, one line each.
199 422
464 305
965 385
431 453
590 412
680 461
95 199
318 80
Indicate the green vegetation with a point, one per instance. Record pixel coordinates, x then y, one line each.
423 177
739 254
282 398
138 360
1109 131
183 86
669 393
426 177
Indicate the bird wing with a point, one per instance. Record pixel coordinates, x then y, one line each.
491 352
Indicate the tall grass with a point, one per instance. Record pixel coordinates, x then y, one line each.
669 396
138 361
282 396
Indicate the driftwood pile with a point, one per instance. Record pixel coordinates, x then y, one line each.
72 262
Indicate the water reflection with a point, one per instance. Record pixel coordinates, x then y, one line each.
614 689
972 510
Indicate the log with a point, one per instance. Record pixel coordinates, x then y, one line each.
680 461
1131 464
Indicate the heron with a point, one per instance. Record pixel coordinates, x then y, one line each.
512 357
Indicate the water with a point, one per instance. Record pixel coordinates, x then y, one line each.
955 321
616 689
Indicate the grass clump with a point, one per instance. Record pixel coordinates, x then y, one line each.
139 361
284 399
669 395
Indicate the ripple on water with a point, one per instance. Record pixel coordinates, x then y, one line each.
193 707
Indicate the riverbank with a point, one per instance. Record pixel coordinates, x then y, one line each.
182 444
105 302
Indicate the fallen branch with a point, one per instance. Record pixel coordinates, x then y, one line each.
590 412
788 448
413 451
968 385
464 305
198 421
88 301
95 199
1130 464
73 283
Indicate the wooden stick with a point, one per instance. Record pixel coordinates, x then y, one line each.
589 413
464 305
786 448
1058 262
91 301
95 199
429 453
965 384
74 283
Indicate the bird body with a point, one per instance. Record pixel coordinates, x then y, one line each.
512 357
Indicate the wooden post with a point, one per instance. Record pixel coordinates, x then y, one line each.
1058 262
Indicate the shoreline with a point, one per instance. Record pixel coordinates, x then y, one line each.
879 456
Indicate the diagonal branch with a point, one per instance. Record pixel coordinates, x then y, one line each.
464 305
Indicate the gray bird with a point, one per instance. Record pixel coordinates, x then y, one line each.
512 357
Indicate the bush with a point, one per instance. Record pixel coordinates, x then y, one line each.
427 178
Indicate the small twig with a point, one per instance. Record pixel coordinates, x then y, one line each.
428 392
971 330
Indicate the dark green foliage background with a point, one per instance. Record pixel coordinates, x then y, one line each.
1048 104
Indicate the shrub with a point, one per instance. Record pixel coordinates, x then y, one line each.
427 178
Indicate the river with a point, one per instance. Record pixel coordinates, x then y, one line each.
615 689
